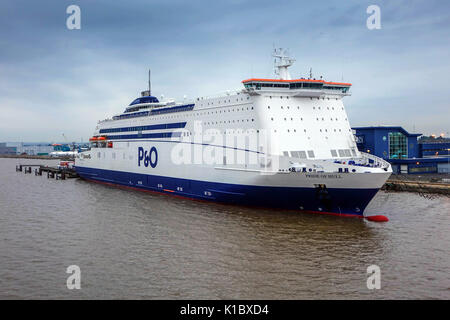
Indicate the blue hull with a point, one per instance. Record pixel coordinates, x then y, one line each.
332 201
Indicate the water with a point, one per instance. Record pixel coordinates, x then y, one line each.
140 245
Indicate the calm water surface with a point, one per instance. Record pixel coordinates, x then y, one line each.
132 244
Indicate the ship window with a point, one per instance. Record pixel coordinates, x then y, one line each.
310 153
341 153
285 153
334 153
301 154
347 153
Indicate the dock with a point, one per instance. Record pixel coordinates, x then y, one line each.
57 172
420 186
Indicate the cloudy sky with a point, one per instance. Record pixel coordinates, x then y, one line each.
54 80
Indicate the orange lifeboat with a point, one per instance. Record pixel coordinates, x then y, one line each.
93 139
101 138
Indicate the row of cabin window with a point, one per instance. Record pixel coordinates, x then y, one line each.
301 119
195 113
229 121
224 101
334 153
343 153
300 154
314 108
274 130
224 111
318 98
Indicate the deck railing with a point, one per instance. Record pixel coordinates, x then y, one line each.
376 161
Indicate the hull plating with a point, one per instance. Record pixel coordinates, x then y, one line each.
340 201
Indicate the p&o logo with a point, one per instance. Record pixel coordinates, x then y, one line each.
148 157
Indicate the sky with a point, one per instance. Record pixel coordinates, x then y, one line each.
56 81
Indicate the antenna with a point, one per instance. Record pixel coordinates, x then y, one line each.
283 63
310 73
149 83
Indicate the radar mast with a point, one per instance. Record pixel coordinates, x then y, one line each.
282 63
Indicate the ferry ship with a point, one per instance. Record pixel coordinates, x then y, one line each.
278 143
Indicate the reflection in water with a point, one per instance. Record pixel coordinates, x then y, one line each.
132 244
